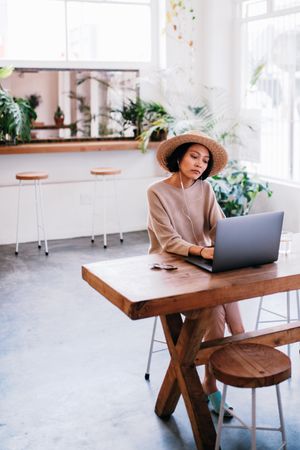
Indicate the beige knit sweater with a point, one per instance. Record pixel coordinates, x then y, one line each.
169 227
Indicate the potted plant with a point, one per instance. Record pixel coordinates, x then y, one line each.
133 114
59 117
34 100
236 190
16 115
155 131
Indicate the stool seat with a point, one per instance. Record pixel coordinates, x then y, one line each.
31 176
105 171
250 365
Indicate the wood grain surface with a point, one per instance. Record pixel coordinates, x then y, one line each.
139 291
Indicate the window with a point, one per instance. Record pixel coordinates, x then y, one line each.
76 30
271 82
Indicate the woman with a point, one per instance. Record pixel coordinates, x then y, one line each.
183 212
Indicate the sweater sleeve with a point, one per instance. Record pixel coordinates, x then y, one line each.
161 225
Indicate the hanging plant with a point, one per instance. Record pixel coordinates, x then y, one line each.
180 17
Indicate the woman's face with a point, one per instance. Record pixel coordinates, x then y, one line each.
194 162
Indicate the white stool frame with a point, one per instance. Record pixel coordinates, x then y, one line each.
39 208
253 426
281 317
104 181
151 351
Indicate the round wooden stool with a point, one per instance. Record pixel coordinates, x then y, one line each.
36 177
250 366
103 173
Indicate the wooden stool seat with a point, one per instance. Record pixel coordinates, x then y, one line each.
250 365
105 171
26 176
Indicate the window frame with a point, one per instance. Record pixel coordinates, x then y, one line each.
240 78
156 9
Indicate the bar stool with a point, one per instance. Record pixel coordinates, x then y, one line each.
103 173
250 366
36 177
279 317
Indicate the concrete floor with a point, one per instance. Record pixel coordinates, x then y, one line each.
72 365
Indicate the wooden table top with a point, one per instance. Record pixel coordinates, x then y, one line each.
138 291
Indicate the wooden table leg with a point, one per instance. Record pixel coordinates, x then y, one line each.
183 341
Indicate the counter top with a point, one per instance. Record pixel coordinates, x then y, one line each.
72 147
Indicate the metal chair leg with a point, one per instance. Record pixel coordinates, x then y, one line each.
259 313
147 373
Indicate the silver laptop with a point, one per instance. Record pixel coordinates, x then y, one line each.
244 241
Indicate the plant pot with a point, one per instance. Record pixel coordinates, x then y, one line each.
59 121
159 135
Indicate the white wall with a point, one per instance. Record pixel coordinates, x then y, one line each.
68 193
286 197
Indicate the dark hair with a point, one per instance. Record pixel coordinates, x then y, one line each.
173 160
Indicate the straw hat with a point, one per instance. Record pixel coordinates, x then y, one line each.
219 154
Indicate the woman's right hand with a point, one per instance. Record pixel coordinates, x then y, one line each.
208 252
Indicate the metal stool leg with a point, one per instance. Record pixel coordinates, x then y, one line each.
42 218
288 316
221 418
117 209
94 209
253 428
282 427
37 213
104 212
147 374
258 312
18 218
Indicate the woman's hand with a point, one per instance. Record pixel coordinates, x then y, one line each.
208 252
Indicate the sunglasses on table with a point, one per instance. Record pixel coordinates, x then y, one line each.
161 266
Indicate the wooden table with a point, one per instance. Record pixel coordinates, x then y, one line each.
140 292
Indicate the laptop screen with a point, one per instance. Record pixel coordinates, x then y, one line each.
244 241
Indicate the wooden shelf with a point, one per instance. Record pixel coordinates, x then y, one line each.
72 147
50 127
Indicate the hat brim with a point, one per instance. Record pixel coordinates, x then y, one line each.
218 152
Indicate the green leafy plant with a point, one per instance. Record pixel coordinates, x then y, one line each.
16 115
236 190
160 125
34 100
133 115
83 124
